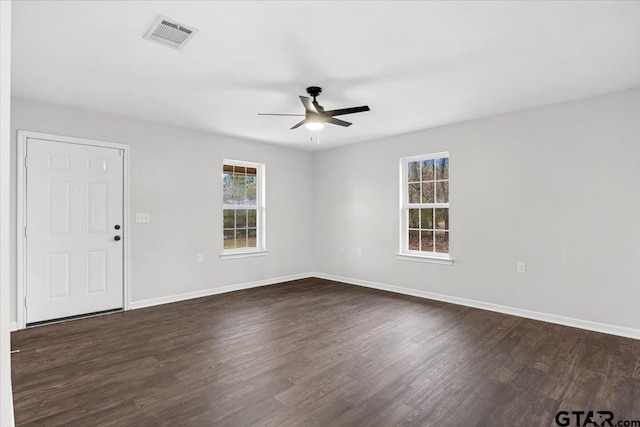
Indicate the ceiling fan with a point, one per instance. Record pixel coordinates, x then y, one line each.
315 115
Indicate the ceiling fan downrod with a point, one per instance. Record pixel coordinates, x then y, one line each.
314 91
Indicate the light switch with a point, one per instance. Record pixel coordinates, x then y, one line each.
521 267
143 217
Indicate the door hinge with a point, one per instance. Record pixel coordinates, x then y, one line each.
25 302
25 232
26 162
121 152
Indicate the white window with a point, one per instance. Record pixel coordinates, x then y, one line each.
424 213
243 208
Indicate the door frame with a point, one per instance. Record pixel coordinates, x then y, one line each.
21 220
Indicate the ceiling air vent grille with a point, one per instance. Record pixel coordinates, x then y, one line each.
170 33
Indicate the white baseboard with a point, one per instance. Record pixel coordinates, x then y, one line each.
214 291
529 314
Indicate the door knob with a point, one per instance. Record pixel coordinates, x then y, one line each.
116 238
117 227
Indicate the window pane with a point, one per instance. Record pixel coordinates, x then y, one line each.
229 241
442 242
239 189
233 188
442 168
229 218
414 240
252 238
414 193
250 181
427 192
413 171
414 218
426 241
241 218
426 219
241 238
227 188
442 192
251 218
442 219
427 170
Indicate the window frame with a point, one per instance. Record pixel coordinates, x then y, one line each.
261 247
404 253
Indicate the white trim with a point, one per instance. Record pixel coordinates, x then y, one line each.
215 291
426 156
13 326
529 314
72 140
243 254
21 200
514 311
21 256
425 258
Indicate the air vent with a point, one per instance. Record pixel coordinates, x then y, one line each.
170 33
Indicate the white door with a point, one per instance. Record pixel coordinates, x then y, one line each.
74 234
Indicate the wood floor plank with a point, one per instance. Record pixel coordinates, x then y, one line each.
314 352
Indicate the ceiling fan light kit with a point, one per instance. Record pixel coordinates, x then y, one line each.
316 116
315 125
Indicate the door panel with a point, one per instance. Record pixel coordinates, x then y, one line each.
96 271
96 208
74 201
58 209
58 278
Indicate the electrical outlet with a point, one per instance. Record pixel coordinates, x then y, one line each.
359 252
521 267
200 258
143 217
341 249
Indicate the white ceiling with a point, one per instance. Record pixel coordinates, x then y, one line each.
416 64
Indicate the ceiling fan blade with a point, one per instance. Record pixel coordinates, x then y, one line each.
270 114
347 111
335 121
308 104
297 125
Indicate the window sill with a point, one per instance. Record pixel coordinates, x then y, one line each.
425 258
244 254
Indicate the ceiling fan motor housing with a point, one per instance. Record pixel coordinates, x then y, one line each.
314 91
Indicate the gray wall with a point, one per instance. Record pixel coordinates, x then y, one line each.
176 177
557 187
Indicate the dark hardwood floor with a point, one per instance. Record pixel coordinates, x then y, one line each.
315 352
